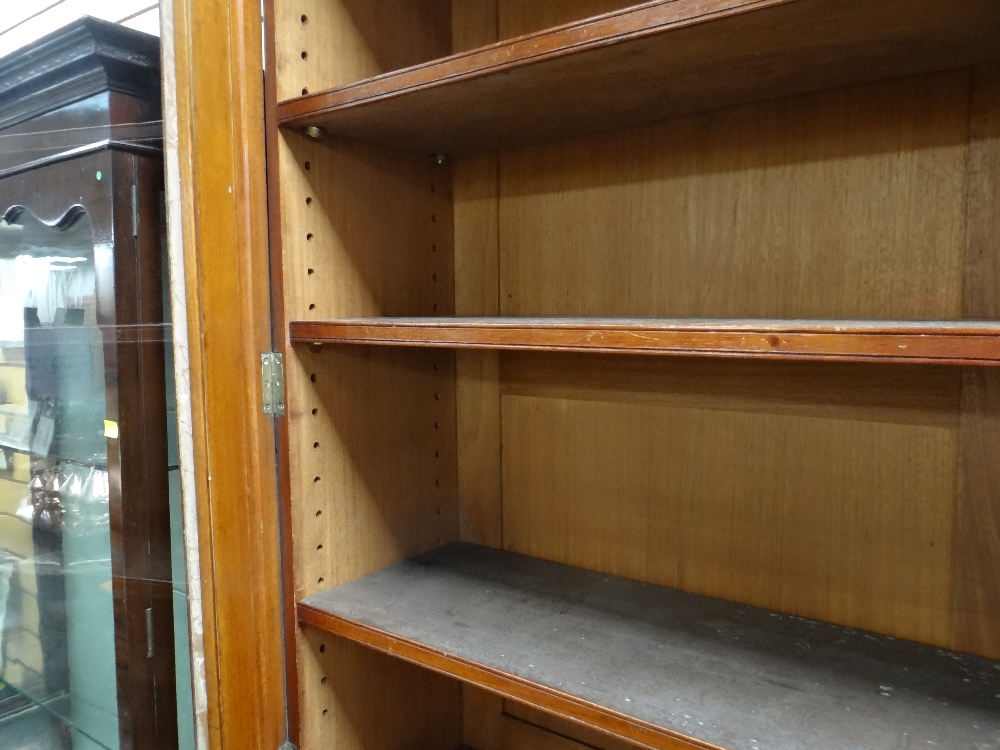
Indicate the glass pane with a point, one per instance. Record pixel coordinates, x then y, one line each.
57 647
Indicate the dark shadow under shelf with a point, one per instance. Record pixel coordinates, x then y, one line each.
927 342
651 61
653 664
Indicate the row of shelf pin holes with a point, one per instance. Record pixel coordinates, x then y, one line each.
436 366
313 378
304 20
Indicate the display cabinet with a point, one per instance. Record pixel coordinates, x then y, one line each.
85 577
641 367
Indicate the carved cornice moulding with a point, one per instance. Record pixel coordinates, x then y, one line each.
85 57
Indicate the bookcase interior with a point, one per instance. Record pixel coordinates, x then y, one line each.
861 494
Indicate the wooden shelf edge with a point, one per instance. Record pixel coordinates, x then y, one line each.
502 683
958 343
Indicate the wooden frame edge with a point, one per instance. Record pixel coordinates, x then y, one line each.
218 240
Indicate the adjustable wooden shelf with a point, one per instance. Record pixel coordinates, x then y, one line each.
768 538
653 60
658 664
953 343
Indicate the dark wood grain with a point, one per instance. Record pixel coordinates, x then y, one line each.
84 58
942 342
654 60
656 665
62 102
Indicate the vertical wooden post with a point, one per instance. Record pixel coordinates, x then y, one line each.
217 202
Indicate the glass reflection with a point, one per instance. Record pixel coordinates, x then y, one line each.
57 649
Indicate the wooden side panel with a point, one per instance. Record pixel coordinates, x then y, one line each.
977 511
365 231
373 478
324 43
372 433
824 491
845 203
355 698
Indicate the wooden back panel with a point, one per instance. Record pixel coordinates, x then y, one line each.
826 491
846 203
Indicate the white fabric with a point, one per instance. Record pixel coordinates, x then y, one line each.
39 282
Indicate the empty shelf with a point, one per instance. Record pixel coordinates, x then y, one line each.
941 342
655 665
647 62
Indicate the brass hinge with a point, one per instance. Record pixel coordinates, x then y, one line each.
272 381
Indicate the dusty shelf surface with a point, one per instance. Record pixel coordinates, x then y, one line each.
656 665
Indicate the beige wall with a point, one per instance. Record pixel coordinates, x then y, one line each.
27 20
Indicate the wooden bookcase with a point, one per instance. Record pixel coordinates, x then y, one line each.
641 368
